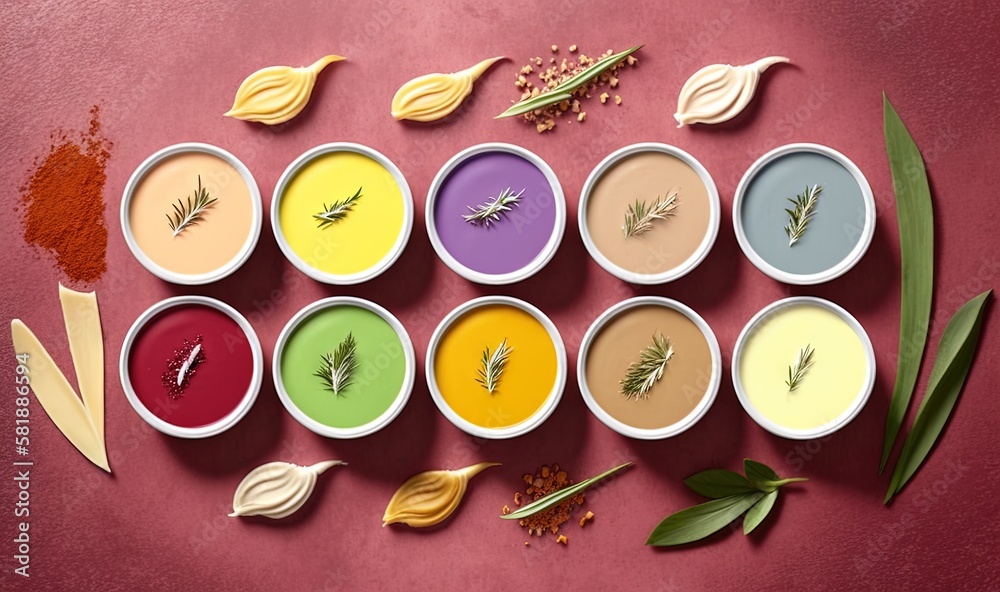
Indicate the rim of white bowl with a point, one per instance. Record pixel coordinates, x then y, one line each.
541 259
234 416
695 415
838 422
534 420
350 278
707 242
192 279
849 261
389 414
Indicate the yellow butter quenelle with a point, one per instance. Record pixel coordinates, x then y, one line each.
528 376
276 94
430 497
366 233
435 96
719 92
827 389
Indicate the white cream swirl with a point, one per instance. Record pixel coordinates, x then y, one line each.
720 92
277 489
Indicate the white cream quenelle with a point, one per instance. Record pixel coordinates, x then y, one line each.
277 489
720 92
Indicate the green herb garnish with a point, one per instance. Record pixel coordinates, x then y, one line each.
493 365
557 497
951 367
338 367
190 212
799 217
564 90
642 375
639 217
337 210
495 206
732 493
916 252
797 371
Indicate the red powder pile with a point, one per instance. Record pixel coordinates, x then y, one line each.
64 203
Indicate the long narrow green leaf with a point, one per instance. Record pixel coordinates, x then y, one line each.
557 497
719 483
696 523
916 242
564 90
954 359
758 512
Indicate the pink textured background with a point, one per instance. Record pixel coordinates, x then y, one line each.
165 72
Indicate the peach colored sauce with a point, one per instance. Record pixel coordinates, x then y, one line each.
211 243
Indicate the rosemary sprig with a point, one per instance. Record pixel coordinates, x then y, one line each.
799 217
493 366
337 210
564 90
640 216
190 212
797 371
642 375
495 206
338 367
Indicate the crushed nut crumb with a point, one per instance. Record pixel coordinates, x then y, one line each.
618 100
506 510
555 48
586 518
562 539
582 116
604 98
572 48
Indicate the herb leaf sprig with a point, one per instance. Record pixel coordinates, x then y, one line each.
190 212
489 212
338 367
337 210
915 215
799 217
642 375
493 365
732 494
951 367
797 371
639 216
557 497
564 90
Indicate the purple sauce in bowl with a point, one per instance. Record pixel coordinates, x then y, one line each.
522 240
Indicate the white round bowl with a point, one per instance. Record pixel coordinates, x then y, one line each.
671 274
257 215
836 423
389 414
540 260
694 415
350 278
237 413
541 414
845 264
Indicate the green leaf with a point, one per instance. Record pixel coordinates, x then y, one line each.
954 359
762 476
719 483
758 512
696 523
557 497
564 90
916 242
